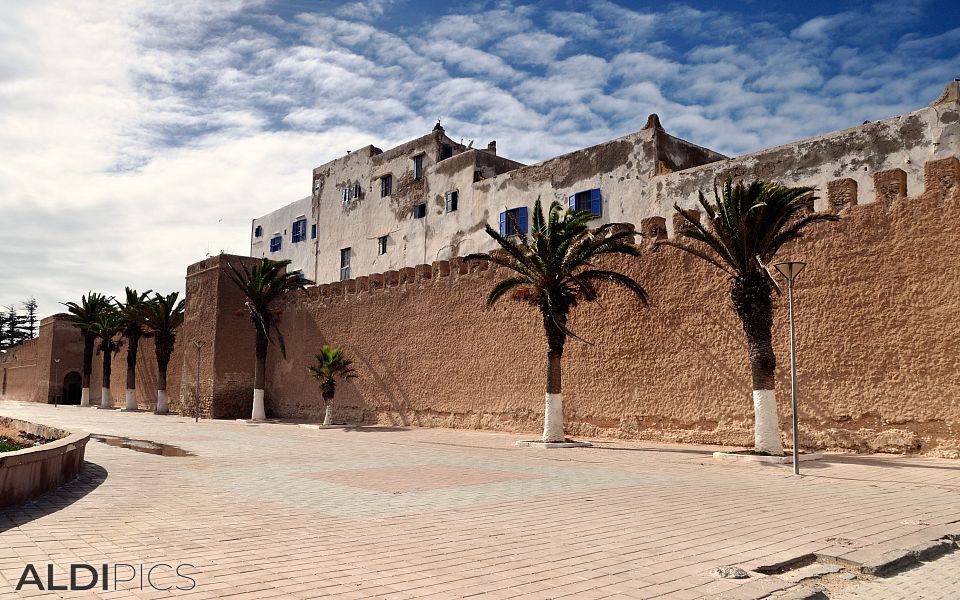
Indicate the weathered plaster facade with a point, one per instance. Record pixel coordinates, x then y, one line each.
352 212
302 254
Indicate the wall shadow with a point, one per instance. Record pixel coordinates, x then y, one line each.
55 500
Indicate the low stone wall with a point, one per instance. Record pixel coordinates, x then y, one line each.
26 474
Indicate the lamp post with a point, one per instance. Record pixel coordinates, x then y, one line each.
56 381
790 270
196 406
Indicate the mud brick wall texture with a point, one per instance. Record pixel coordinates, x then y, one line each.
878 340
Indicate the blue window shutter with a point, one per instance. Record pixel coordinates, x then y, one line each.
522 218
572 202
503 223
596 206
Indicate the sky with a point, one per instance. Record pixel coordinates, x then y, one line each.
138 137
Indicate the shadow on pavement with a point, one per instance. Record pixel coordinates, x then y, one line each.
88 480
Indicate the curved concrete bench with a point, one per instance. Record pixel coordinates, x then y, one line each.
28 473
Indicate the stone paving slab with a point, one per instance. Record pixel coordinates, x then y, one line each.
277 510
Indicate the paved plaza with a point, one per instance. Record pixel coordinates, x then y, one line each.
282 511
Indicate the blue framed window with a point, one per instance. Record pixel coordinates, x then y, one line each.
299 232
258 231
513 221
588 200
275 242
313 231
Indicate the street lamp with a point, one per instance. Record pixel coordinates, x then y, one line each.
56 380
196 406
790 270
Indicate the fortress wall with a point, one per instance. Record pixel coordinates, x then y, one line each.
877 340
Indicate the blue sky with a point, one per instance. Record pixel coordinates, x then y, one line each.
138 137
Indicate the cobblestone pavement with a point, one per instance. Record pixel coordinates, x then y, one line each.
281 511
935 580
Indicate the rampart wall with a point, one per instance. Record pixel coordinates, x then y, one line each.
877 339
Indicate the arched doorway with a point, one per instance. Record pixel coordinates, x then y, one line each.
72 386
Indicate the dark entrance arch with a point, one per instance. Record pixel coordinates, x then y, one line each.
72 386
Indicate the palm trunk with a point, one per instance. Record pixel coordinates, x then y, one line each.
259 410
328 411
163 405
752 300
163 349
105 400
88 341
553 399
133 341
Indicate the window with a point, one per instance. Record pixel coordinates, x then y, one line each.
356 190
418 166
313 231
316 186
258 231
588 200
446 151
382 245
344 264
299 232
513 221
452 199
275 242
420 211
386 185
345 194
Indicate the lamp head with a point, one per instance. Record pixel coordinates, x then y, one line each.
790 270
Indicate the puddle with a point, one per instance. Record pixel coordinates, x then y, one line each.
145 446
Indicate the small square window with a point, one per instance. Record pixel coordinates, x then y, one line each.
275 242
386 185
345 194
418 166
382 245
258 231
452 198
420 211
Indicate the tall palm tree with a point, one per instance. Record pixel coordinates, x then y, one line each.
108 328
747 225
131 318
554 270
83 316
262 284
163 315
330 366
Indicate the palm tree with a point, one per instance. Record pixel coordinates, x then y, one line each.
554 270
747 225
262 284
83 316
108 327
131 318
330 365
163 315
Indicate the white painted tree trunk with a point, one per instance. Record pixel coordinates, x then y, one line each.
105 400
130 400
85 397
766 429
259 413
328 415
163 405
553 418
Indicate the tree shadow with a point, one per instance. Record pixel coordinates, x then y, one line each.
55 500
655 450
